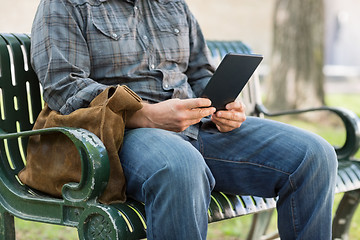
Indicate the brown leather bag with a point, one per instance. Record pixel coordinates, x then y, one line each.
53 160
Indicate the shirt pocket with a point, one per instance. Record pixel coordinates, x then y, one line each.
109 40
106 21
170 18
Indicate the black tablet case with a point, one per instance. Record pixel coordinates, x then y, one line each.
230 78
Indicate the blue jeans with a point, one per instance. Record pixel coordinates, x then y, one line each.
174 176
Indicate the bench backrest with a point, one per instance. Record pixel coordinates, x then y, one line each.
20 91
20 97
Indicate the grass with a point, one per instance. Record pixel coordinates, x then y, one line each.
26 230
234 228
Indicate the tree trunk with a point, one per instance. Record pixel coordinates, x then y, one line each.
296 66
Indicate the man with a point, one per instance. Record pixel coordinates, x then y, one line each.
172 158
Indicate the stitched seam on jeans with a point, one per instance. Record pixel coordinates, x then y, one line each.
255 164
293 187
201 145
293 212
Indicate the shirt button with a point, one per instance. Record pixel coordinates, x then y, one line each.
145 37
152 66
136 8
176 31
114 35
166 86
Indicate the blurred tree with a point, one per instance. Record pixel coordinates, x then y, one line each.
296 66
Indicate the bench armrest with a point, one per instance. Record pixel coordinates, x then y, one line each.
95 167
350 119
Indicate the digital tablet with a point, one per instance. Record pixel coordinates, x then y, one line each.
230 78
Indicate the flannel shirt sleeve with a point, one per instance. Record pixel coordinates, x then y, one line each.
60 57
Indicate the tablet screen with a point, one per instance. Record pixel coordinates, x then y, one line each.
230 78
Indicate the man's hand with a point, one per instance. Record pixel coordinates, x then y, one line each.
230 119
173 114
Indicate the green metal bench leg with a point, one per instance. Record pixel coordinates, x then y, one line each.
97 224
259 226
105 223
344 214
7 227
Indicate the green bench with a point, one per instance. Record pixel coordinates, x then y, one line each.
20 103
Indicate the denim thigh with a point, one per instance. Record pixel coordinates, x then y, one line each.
259 157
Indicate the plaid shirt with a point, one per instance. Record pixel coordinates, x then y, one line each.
155 47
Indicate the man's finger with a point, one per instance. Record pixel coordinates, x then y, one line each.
198 113
196 103
225 124
239 106
231 115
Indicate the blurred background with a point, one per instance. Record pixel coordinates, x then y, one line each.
251 21
248 20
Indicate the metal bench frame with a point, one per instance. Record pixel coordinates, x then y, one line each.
20 103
